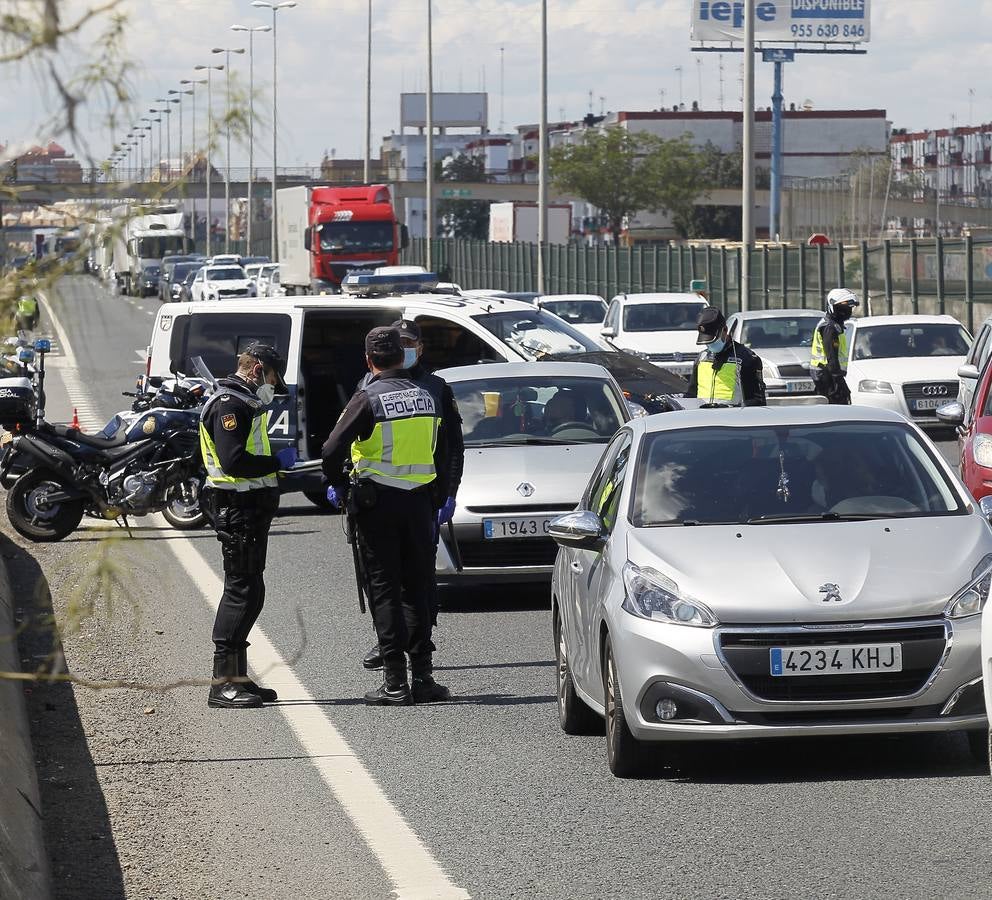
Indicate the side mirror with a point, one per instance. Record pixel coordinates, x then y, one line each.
968 371
404 237
608 331
306 239
43 345
951 413
985 505
582 529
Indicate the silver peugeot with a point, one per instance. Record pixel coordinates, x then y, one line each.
533 434
773 572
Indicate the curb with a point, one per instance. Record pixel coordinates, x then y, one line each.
24 870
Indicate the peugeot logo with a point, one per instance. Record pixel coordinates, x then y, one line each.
525 489
935 390
832 593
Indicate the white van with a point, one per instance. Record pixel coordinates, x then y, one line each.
323 340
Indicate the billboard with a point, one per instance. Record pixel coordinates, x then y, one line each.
805 21
452 110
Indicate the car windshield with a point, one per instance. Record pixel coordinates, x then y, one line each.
356 236
226 274
577 312
779 331
910 340
763 475
661 316
536 410
152 271
535 333
181 270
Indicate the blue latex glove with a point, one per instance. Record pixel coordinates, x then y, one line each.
287 457
446 512
335 497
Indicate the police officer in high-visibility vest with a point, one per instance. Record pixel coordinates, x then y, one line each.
725 372
27 313
829 351
393 430
241 498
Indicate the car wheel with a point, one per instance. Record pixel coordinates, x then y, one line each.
980 744
624 753
573 714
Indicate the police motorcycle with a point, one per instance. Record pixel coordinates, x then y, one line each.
146 460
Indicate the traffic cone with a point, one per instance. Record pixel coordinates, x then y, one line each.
75 420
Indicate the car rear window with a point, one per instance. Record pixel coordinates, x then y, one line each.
220 337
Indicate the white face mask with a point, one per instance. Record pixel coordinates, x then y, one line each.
409 357
266 393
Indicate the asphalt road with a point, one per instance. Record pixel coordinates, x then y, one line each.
185 802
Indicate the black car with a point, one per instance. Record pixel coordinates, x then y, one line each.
184 289
166 277
148 280
642 382
178 276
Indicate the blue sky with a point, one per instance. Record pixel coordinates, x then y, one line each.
924 57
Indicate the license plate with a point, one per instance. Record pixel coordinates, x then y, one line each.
799 387
930 402
516 527
836 660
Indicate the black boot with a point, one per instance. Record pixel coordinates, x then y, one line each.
228 694
425 688
267 694
373 659
394 691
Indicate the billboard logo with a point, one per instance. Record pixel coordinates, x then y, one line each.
725 11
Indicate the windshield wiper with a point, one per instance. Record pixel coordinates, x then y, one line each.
818 517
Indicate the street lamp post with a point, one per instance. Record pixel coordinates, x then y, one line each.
429 149
251 29
159 120
151 145
166 111
179 100
275 7
210 137
542 159
747 181
367 170
227 130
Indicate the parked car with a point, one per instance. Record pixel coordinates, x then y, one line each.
659 327
782 338
584 312
908 364
770 572
221 283
533 434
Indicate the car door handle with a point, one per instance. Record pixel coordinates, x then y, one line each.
576 567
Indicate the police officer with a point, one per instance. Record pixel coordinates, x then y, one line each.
829 352
725 372
27 313
241 499
443 491
393 430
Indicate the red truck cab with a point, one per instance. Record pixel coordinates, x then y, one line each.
351 228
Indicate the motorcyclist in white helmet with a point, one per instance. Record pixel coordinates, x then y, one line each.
829 352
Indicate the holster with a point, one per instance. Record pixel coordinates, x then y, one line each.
362 496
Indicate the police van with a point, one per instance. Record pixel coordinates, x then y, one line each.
323 340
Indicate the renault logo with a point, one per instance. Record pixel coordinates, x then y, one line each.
831 592
525 489
935 390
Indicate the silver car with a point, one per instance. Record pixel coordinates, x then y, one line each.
782 338
770 572
533 434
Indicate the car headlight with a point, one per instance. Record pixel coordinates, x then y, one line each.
869 386
981 451
769 371
970 600
650 595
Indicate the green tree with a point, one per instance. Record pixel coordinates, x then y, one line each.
467 219
720 169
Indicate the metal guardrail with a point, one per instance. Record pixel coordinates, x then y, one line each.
939 275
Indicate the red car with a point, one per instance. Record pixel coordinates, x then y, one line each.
974 432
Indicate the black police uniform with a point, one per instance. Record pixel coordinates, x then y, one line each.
710 325
241 519
396 541
829 379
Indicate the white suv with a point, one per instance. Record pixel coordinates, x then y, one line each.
222 283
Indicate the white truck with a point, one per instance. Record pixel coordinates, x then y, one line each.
517 221
140 238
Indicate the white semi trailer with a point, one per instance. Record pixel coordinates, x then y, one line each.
141 237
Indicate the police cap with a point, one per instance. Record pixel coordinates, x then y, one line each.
710 323
383 341
409 331
271 360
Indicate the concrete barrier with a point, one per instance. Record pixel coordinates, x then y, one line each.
24 871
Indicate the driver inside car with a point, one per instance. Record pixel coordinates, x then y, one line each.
565 408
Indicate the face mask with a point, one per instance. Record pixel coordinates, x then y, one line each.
409 357
843 312
716 346
266 393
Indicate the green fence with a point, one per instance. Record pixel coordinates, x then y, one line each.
939 275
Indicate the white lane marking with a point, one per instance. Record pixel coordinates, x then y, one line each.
142 356
410 866
67 354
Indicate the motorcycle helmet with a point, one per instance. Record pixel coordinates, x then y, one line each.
844 298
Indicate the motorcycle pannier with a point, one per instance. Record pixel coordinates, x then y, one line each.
17 402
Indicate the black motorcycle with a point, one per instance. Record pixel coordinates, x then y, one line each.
146 460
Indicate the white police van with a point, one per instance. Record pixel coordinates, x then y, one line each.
323 341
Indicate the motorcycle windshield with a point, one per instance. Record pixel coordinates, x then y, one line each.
201 369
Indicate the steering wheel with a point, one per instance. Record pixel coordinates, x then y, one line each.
582 427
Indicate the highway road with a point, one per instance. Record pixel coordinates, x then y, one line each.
147 793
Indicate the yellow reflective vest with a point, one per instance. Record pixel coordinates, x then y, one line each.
719 384
257 444
818 353
27 306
